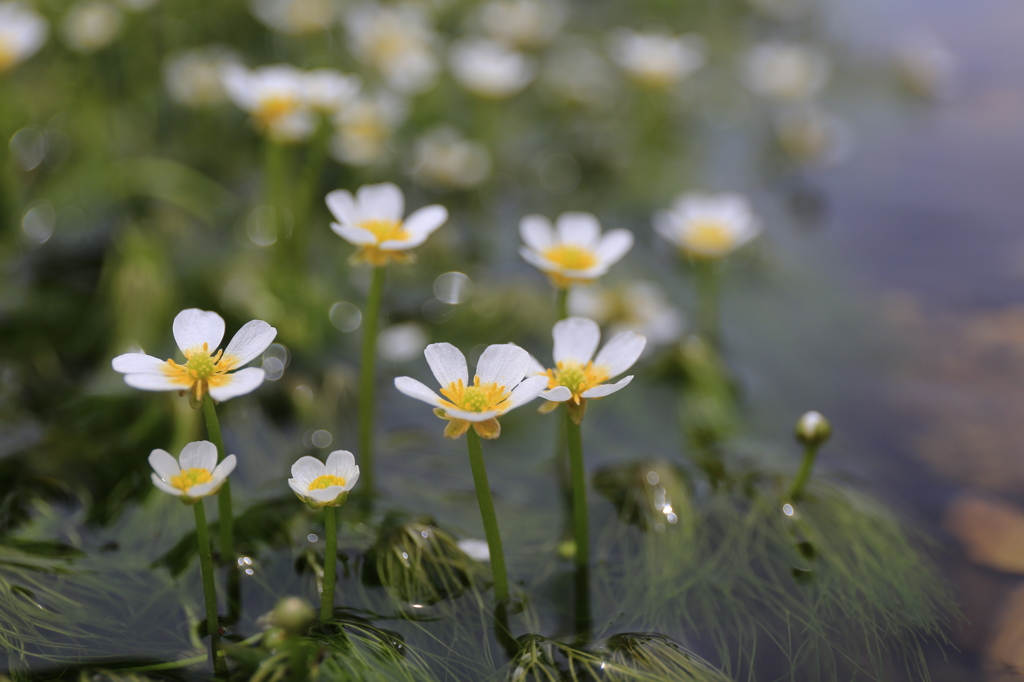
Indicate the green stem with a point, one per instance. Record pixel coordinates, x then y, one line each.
209 589
330 563
367 379
226 520
579 490
309 183
276 188
562 302
803 476
707 286
483 496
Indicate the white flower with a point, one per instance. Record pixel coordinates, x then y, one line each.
364 128
396 40
324 485
330 91
708 225
638 306
576 252
497 387
523 23
444 158
577 374
92 25
488 68
198 334
22 33
812 136
926 66
194 474
295 17
193 78
785 71
275 96
372 220
657 60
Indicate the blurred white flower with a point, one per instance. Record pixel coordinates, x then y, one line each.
578 73
329 91
926 66
397 40
91 25
657 60
363 129
785 71
811 136
574 251
194 474
193 77
443 158
401 342
275 96
488 68
324 485
295 17
708 225
523 23
22 33
638 306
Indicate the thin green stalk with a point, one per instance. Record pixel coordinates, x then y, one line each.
209 589
309 183
330 563
483 496
803 476
226 520
367 379
562 302
276 177
579 490
707 287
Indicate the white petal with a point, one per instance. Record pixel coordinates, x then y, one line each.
559 394
447 363
204 489
152 382
224 469
621 352
243 381
665 225
536 232
577 227
354 235
422 222
341 463
472 416
138 363
503 363
342 206
298 488
381 202
607 389
250 341
200 454
576 339
166 487
328 494
535 367
526 391
415 389
536 260
306 470
614 245
164 464
194 327
351 478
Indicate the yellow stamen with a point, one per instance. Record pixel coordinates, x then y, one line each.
571 256
201 370
8 56
383 230
274 108
577 377
190 477
326 481
707 237
476 397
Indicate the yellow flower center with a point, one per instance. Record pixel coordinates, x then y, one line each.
201 370
273 108
326 481
709 237
389 44
190 477
385 230
577 377
571 256
476 397
8 56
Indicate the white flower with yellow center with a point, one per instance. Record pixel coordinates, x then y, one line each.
193 77
372 220
22 33
329 91
397 41
574 251
442 157
324 485
708 225
194 474
198 334
275 97
363 129
489 69
524 23
295 17
91 26
785 71
497 387
657 60
577 375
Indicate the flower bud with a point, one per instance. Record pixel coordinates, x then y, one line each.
813 429
293 614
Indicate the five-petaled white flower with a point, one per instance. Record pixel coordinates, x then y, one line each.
489 69
372 220
275 96
708 225
324 485
498 386
574 252
194 474
22 32
577 374
198 334
657 60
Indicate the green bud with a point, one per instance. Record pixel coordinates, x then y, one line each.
812 429
293 614
274 638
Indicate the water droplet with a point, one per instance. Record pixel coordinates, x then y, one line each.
453 288
322 438
652 477
345 316
787 509
312 537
